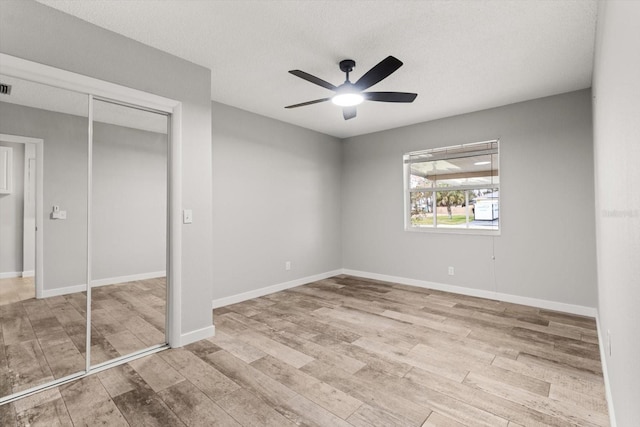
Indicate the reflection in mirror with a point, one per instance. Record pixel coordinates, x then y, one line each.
43 299
128 225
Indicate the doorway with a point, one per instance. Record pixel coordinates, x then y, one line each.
18 210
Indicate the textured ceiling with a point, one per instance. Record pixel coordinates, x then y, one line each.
459 56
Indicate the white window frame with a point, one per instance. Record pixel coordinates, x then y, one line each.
444 153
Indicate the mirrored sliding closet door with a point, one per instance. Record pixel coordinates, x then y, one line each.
128 230
84 199
43 237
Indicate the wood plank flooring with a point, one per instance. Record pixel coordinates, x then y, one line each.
44 339
351 352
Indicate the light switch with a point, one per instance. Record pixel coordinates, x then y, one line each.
187 216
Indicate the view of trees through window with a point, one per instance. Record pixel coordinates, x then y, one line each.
453 187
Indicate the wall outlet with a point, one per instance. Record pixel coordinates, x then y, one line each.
451 271
287 265
187 216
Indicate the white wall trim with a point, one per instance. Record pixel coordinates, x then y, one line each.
233 299
18 139
29 273
481 293
30 187
605 373
534 302
130 278
10 274
46 293
41 73
197 335
39 243
174 231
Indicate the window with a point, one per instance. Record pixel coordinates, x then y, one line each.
454 187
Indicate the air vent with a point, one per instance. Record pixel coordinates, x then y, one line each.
5 89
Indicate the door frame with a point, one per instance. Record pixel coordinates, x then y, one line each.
39 143
30 193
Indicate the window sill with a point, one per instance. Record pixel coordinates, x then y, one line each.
444 230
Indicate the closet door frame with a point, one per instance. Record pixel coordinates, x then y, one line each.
40 73
92 98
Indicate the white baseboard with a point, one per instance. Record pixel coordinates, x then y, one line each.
481 293
233 299
130 278
29 273
605 373
197 335
534 302
10 274
46 293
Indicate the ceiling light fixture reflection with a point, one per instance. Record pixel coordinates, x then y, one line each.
481 163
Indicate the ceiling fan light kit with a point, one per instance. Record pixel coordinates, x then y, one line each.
347 99
348 94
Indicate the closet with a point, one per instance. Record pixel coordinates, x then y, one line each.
90 211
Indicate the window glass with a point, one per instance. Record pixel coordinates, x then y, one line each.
453 187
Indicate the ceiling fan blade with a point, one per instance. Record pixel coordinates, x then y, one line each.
348 112
381 71
302 104
390 96
313 79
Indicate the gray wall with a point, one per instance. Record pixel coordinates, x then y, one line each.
65 185
129 201
38 33
129 196
616 89
546 249
276 198
11 214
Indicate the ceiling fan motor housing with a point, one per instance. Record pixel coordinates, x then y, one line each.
347 65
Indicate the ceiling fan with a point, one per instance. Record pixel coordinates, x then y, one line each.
348 94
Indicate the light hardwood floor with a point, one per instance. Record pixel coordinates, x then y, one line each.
352 352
